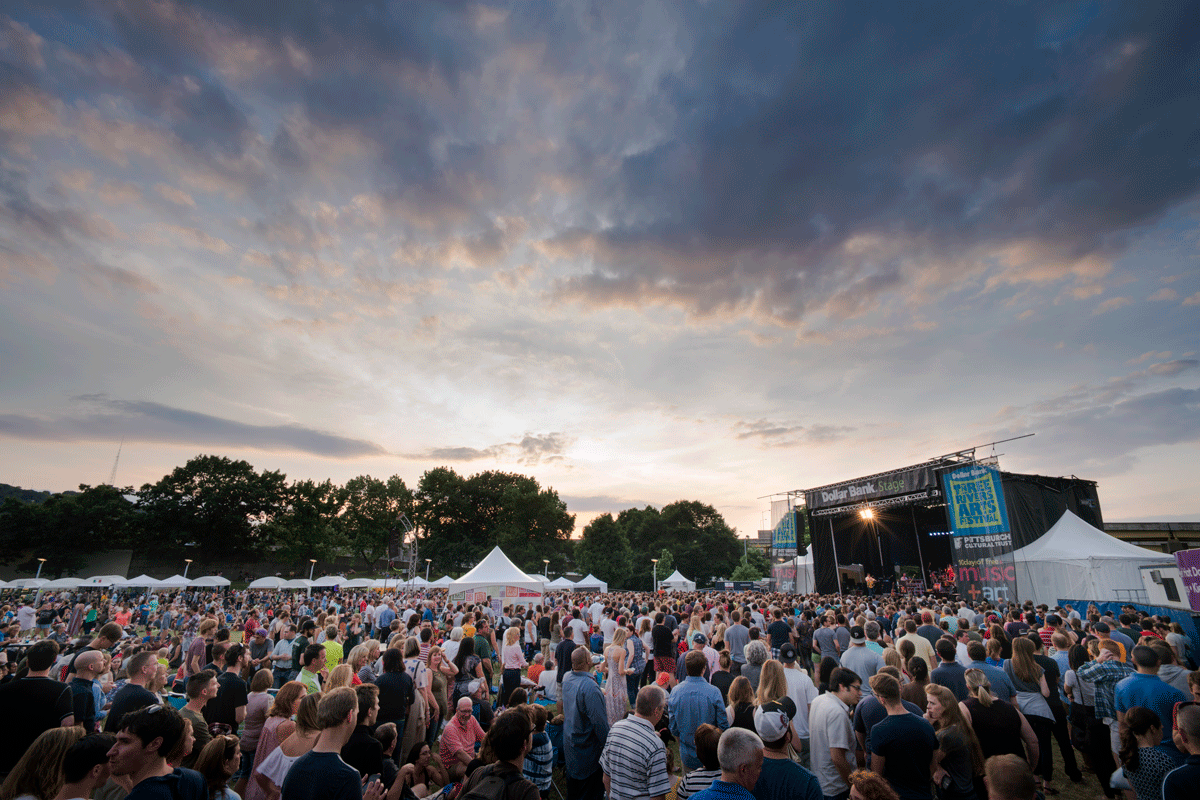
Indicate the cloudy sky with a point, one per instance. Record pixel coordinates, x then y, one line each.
641 251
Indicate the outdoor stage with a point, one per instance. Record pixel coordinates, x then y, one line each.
895 523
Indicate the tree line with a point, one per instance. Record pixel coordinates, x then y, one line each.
214 508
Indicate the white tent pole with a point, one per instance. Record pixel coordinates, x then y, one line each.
836 569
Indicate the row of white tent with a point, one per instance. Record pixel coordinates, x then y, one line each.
116 581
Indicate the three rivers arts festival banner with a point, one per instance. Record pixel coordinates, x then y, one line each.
983 562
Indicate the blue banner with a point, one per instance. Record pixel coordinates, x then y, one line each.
783 538
975 500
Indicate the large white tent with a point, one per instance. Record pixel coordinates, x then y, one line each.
210 582
591 584
496 577
561 583
445 580
1076 561
806 579
677 583
174 582
269 582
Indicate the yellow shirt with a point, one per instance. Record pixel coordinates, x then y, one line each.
333 652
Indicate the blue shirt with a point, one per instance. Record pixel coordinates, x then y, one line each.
1001 686
693 703
1150 691
721 790
585 724
784 779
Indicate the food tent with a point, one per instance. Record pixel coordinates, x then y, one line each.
297 583
1074 560
210 582
591 584
104 580
496 577
144 580
445 580
358 583
329 581
62 583
561 583
677 583
174 582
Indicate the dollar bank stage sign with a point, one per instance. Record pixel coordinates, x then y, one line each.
983 563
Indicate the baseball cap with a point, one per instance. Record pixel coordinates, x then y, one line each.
787 653
699 638
771 720
663 678
857 635
261 632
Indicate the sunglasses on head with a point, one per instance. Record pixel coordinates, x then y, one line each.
1182 704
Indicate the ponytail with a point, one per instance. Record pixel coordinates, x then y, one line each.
979 687
1138 721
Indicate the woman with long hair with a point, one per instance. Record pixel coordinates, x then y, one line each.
914 690
217 763
1029 680
616 696
420 713
1145 764
1000 728
268 776
442 672
421 770
643 633
38 774
824 670
513 661
469 667
772 683
277 727
959 757
996 633
740 711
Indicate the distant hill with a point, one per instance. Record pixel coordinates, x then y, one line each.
26 495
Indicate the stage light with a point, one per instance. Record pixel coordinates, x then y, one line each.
867 513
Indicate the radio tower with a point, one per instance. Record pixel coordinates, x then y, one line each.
112 476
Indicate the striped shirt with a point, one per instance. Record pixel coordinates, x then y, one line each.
539 762
635 761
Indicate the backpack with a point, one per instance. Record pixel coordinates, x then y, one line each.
493 786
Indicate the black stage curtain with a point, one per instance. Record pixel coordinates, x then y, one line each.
880 544
1036 502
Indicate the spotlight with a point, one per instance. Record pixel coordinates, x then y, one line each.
867 513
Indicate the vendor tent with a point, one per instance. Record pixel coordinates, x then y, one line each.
104 580
143 580
297 583
591 584
535 577
445 580
1075 561
63 583
210 582
329 581
561 583
173 582
806 578
358 583
269 582
28 583
496 577
677 583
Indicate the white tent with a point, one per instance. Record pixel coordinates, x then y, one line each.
677 583
63 583
1075 561
297 583
28 583
536 577
210 582
358 583
104 580
329 581
143 580
496 577
591 584
806 576
174 582
561 583
445 580
269 582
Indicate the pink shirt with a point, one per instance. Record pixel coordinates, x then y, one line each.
457 737
512 657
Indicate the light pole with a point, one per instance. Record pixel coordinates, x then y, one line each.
187 562
312 564
655 562
37 598
545 568
427 569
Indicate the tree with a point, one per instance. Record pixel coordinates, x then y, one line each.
213 502
665 565
704 545
307 524
64 527
369 510
746 571
604 551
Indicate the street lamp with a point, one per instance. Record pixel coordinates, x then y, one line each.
545 568
41 561
655 562
37 600
427 569
187 562
312 564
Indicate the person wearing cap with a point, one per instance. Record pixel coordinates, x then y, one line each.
740 755
260 650
781 778
857 657
693 702
700 645
634 759
802 692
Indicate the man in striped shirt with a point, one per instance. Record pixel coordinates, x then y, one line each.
634 759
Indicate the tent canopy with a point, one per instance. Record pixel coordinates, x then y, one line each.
329 580
143 580
63 583
269 582
498 577
174 582
210 582
560 583
104 580
445 580
591 583
1075 560
676 581
297 583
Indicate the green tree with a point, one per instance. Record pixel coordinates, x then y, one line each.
307 524
216 503
665 566
747 571
64 527
703 544
604 552
370 509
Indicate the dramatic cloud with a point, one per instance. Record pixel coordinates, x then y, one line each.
117 420
531 449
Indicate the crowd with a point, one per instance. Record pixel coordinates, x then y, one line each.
282 696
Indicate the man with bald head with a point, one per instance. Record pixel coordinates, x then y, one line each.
88 666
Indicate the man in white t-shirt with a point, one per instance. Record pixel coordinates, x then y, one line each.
579 630
597 609
608 626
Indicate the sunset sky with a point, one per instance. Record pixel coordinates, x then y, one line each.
640 251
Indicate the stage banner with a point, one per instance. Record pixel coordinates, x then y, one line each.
975 501
909 481
783 538
785 577
984 568
1188 562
